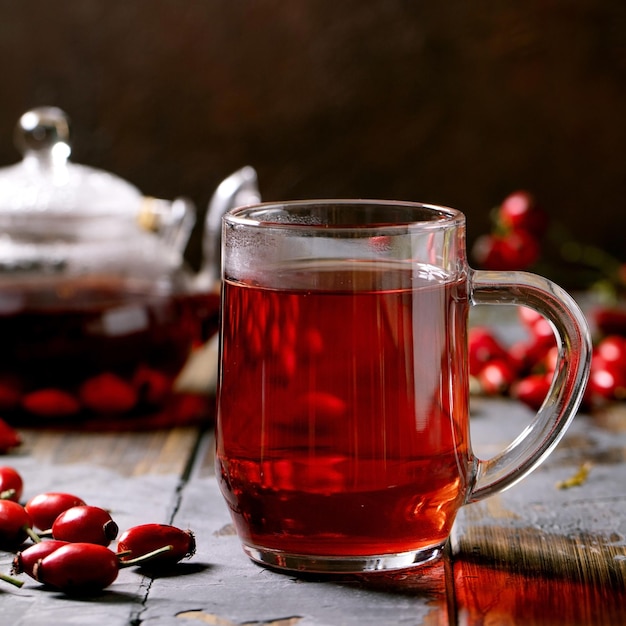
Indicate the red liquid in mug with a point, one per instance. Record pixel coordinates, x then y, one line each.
100 350
342 420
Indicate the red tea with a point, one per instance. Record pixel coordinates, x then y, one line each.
98 349
342 412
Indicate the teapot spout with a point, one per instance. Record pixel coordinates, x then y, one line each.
238 189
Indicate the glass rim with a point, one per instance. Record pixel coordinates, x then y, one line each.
251 215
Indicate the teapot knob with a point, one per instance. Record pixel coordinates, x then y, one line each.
44 132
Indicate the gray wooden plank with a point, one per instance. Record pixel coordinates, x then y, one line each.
594 508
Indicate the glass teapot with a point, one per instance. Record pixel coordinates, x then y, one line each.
101 321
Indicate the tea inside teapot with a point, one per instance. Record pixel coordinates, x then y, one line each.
101 321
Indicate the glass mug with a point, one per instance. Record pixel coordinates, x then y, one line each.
343 422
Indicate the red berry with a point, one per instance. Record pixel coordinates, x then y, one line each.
530 355
612 349
607 380
543 333
15 524
51 403
85 524
108 393
539 327
24 561
78 568
9 437
44 508
517 250
145 538
521 357
496 377
536 356
11 483
532 390
519 210
522 249
483 347
610 321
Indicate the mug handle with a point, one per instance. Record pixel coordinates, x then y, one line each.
570 327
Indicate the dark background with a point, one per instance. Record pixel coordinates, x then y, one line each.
452 102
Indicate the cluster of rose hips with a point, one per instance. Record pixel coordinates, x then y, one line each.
514 242
524 370
70 539
102 394
523 237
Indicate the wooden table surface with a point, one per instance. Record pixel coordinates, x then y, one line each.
536 554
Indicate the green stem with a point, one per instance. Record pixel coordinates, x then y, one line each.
145 557
32 534
9 579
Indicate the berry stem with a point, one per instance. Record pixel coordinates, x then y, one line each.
32 534
144 557
9 579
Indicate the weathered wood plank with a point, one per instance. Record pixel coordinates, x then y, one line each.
163 451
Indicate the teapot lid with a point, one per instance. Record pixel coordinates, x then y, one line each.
46 183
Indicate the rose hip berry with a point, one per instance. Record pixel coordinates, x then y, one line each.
9 437
11 483
85 524
607 381
146 538
44 508
532 390
25 560
483 348
52 403
517 250
612 349
15 525
496 377
108 393
83 568
610 320
78 568
519 210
